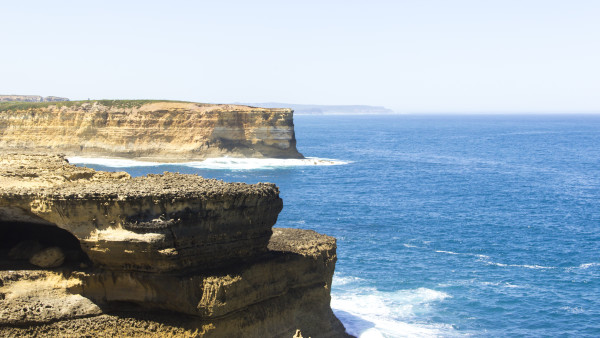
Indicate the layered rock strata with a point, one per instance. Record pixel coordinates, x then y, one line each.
148 130
164 254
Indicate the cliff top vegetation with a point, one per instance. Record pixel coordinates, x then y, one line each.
11 106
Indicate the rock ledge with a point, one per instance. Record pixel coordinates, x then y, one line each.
164 254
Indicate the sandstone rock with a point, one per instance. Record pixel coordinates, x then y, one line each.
269 298
157 131
171 255
25 249
48 258
40 296
223 291
153 223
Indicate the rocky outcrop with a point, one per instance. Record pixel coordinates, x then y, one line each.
164 254
147 130
154 223
31 98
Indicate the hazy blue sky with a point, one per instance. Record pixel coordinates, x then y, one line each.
411 56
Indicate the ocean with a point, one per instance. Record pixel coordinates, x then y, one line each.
445 225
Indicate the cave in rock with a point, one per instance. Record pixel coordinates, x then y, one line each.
12 233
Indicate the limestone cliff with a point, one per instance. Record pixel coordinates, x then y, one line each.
164 254
147 130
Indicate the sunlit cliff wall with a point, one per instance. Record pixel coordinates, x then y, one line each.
147 130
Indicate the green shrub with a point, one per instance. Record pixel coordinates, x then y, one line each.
14 105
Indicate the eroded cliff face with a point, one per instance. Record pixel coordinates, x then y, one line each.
147 130
164 254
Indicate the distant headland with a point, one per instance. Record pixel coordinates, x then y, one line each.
315 109
155 130
31 98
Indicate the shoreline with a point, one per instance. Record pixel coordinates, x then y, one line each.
230 163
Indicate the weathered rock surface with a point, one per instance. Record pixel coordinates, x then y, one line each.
154 223
148 130
48 258
159 255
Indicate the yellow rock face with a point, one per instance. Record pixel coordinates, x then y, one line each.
154 223
161 255
157 131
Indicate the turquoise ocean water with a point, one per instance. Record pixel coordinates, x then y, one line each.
446 225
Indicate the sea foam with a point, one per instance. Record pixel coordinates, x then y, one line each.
227 163
111 162
588 265
368 312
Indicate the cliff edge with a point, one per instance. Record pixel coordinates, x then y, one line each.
163 131
88 253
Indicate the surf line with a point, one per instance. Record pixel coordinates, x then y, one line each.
212 163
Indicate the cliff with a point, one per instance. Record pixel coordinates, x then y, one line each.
90 253
161 131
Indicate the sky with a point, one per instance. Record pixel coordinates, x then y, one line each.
415 56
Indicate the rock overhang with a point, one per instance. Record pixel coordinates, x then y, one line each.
152 223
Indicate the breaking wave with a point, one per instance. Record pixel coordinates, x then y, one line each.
368 312
227 163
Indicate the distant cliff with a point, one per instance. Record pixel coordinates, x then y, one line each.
31 98
147 130
315 109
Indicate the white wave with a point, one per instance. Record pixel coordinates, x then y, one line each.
486 259
575 310
111 162
534 266
482 257
448 252
367 312
511 286
343 280
527 266
588 265
501 284
406 245
230 163
382 328
583 266
419 296
262 163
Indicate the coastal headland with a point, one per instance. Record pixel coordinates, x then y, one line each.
31 98
162 131
85 252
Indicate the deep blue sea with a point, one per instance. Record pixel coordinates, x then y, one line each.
447 225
